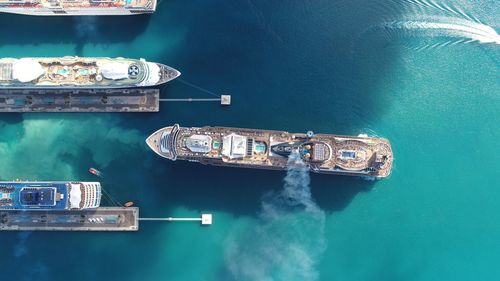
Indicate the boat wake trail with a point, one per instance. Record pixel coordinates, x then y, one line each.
288 238
436 24
467 30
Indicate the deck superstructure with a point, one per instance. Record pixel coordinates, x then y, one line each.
266 149
78 7
49 195
80 72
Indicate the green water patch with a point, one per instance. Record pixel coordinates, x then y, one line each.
51 148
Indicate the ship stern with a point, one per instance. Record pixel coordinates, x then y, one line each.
384 159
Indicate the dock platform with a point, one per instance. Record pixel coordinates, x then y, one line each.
80 100
100 219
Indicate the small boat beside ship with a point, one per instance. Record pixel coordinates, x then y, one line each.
49 195
95 172
82 72
265 149
77 7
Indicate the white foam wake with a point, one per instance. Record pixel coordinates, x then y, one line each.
287 240
456 28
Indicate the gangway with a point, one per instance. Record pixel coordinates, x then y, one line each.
206 219
223 99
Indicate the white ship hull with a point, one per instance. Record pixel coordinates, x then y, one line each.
82 72
77 12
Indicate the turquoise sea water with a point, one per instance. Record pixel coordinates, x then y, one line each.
421 73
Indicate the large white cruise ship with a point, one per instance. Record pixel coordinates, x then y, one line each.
361 155
77 7
77 72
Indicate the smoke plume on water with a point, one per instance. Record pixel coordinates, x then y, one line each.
287 240
86 27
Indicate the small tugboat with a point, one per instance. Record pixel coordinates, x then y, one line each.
128 204
96 172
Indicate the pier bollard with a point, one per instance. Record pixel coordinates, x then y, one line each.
225 99
206 219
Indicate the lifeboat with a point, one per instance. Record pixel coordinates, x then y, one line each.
95 172
128 204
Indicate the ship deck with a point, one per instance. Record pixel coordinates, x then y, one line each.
136 6
79 100
336 154
100 219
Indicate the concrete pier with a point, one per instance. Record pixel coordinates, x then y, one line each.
206 219
100 219
80 100
224 100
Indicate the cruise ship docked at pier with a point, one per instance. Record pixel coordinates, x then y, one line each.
50 195
77 7
79 72
266 149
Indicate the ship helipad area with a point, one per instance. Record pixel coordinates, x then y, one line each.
100 219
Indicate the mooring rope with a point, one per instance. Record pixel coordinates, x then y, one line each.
197 87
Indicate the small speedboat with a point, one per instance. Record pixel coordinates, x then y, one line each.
95 172
128 204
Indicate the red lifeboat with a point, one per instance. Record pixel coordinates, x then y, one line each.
128 204
95 172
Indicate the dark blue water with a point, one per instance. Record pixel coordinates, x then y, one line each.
404 70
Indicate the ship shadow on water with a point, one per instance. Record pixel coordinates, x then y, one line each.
28 30
240 191
10 118
195 186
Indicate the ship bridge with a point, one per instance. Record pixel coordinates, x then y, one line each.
234 146
38 196
22 195
85 195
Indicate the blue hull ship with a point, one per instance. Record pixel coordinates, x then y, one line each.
50 195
